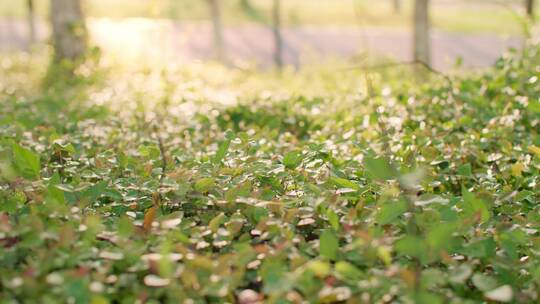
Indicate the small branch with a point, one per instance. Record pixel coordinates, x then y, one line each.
397 64
157 198
519 18
163 154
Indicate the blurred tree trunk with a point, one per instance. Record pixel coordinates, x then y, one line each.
31 22
278 39
422 43
69 29
397 6
219 44
529 8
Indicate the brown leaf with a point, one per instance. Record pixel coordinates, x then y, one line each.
149 217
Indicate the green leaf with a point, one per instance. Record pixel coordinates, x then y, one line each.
410 245
475 207
328 244
348 271
91 194
440 236
125 227
8 171
150 151
256 214
432 278
222 151
391 211
53 192
511 240
273 273
480 249
465 170
333 219
428 298
216 222
343 183
380 168
241 190
460 274
292 159
11 203
320 268
204 184
26 162
78 290
483 282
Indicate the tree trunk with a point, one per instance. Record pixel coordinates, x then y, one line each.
397 6
69 29
278 39
529 8
422 43
31 22
219 45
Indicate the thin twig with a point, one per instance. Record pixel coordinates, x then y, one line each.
157 198
397 64
519 18
163 154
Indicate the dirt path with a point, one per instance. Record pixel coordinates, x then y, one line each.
144 39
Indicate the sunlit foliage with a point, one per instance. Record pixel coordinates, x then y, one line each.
202 184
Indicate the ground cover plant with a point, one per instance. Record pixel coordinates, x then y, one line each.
202 185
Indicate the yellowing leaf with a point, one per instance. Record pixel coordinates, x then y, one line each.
534 150
320 268
348 271
385 254
149 217
204 184
216 221
99 300
517 169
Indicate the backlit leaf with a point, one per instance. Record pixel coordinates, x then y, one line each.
26 161
328 244
379 168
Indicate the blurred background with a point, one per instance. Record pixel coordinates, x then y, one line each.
266 33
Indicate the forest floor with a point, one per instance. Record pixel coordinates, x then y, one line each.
204 184
136 39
